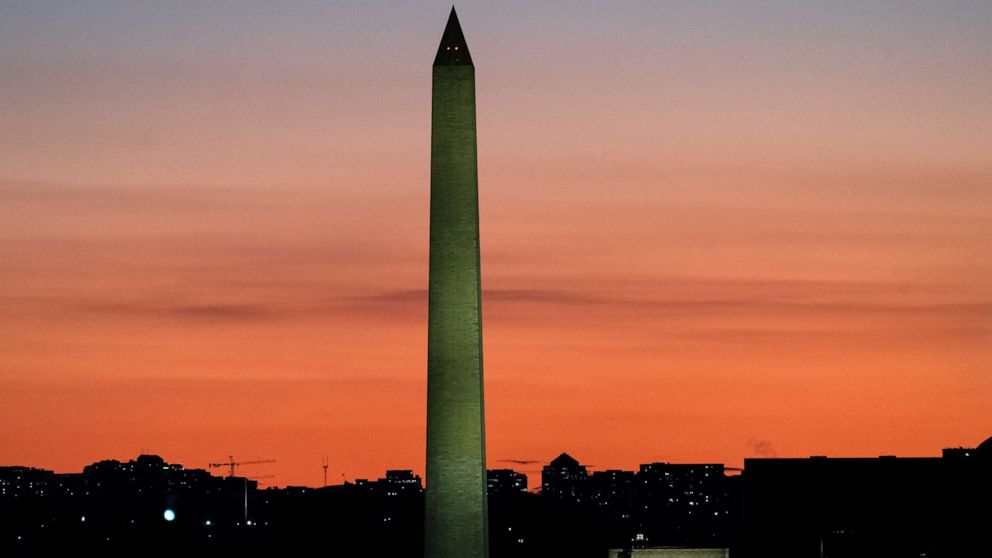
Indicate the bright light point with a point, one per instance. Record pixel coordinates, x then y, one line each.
208 523
248 523
83 518
169 515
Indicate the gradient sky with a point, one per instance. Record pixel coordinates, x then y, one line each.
709 230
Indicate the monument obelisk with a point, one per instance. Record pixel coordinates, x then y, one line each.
455 519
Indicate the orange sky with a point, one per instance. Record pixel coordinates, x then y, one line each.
692 250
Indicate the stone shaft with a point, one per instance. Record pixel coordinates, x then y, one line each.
455 522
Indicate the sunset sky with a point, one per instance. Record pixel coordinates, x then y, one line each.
710 231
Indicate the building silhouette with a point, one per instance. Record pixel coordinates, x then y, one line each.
564 479
113 505
397 482
884 506
612 489
660 504
687 504
505 482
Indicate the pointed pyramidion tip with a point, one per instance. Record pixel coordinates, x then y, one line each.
453 51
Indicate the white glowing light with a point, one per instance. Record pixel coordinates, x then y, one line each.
169 515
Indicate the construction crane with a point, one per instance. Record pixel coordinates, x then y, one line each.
232 464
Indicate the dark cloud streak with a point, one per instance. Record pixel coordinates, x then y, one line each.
194 312
303 301
519 461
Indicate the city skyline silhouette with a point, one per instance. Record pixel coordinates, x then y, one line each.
811 507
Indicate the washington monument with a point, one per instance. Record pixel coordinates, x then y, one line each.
455 518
